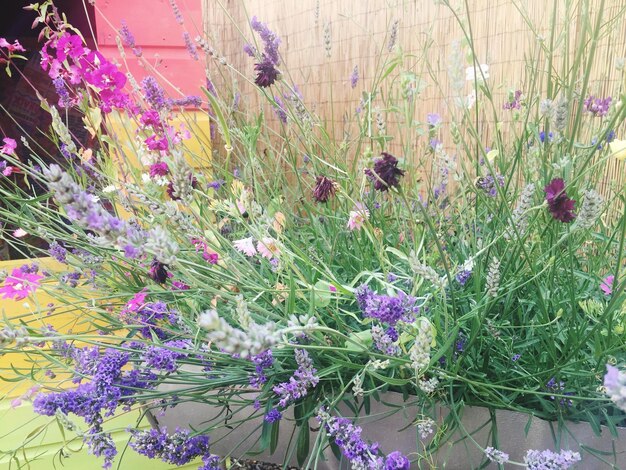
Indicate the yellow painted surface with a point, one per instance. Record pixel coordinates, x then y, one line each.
197 148
42 449
40 436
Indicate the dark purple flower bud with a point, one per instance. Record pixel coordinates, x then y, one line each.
324 189
386 173
561 207
266 73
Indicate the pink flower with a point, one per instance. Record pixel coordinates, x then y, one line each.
212 258
179 285
19 285
607 285
9 170
9 146
332 288
16 46
245 246
137 301
268 248
19 233
358 217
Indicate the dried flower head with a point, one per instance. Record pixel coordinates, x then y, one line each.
325 188
386 173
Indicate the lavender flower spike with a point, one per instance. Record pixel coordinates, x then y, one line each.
298 385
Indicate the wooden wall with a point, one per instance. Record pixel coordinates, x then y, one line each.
359 35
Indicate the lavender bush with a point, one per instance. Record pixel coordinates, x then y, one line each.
296 272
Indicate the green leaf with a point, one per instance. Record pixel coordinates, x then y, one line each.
275 434
321 294
363 338
302 451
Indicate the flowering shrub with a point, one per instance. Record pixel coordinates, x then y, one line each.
279 269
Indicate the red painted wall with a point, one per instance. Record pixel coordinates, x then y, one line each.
160 37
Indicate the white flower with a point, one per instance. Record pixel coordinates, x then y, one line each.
480 73
245 246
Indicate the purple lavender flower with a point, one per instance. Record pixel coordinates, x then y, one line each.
348 438
250 50
153 93
129 40
190 101
463 276
101 444
597 106
273 415
262 361
433 119
57 251
549 460
397 461
177 449
558 387
191 47
383 341
84 209
489 184
496 455
303 379
385 308
514 101
354 76
165 358
177 14
279 110
71 279
270 39
65 101
217 184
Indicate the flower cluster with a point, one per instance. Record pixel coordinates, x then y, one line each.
68 61
267 73
302 380
178 448
20 284
597 106
110 387
549 460
385 308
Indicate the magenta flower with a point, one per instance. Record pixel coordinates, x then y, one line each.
607 285
69 45
19 284
561 207
9 146
159 169
16 46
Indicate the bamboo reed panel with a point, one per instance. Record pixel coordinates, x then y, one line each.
360 34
